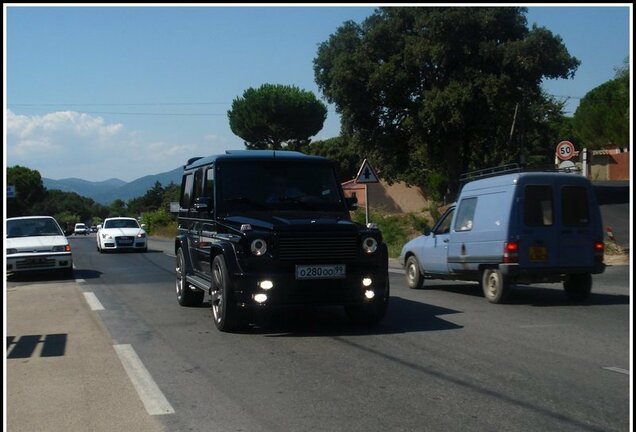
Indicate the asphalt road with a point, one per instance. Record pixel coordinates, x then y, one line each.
444 359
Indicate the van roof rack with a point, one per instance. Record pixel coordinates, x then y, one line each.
512 168
490 172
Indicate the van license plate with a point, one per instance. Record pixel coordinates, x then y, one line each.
538 253
335 271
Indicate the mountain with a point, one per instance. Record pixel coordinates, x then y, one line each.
105 192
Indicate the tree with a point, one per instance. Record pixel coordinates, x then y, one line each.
117 208
276 115
430 92
29 190
341 152
602 117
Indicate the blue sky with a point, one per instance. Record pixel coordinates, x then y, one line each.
123 92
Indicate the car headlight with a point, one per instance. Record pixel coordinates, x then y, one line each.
62 248
369 245
141 235
106 236
259 247
12 251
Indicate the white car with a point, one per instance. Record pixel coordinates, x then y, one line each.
81 228
121 233
37 243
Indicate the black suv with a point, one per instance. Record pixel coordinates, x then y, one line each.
260 229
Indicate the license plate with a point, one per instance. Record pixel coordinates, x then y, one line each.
125 241
334 271
538 253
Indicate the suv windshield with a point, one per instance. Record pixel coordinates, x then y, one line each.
287 186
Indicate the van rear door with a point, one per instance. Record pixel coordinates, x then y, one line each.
576 232
559 223
538 244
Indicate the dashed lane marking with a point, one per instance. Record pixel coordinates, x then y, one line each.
148 391
93 301
617 370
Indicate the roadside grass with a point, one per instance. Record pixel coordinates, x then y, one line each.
397 229
167 231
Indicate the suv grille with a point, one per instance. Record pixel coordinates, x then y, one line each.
330 248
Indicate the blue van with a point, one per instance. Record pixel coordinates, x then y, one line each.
515 227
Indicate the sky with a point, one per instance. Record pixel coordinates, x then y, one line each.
101 92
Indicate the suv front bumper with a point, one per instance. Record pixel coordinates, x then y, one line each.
360 284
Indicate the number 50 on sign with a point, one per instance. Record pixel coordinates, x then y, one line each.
565 150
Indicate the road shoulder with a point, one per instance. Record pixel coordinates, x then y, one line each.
62 371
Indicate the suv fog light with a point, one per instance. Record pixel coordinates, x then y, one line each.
260 298
266 284
367 282
369 294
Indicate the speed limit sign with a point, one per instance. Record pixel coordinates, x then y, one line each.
565 150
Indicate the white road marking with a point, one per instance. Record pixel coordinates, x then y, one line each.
80 281
396 271
538 325
93 301
616 369
148 391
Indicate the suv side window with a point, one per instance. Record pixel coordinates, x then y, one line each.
186 191
197 189
208 185
466 214
538 206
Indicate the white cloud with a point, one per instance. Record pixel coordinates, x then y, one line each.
72 144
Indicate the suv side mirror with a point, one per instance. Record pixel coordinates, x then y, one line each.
202 204
352 202
427 231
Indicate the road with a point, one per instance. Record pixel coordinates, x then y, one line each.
444 359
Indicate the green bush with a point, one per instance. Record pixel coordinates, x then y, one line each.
396 229
156 220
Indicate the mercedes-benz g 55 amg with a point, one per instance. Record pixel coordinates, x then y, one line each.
262 229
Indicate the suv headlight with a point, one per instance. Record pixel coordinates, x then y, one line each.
369 245
259 247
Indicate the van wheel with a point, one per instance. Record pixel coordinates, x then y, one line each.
370 312
414 278
495 285
226 315
578 286
185 296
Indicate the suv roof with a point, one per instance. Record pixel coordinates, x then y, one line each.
252 155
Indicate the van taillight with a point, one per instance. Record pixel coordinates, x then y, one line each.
599 250
511 252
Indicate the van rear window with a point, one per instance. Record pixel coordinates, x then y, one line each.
575 208
538 207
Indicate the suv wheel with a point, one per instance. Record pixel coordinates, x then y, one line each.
578 286
185 296
370 312
226 315
414 278
495 285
